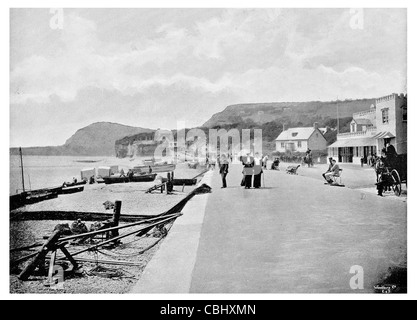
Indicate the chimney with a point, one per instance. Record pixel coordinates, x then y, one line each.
316 125
284 128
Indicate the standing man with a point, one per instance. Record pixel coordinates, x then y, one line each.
391 155
224 170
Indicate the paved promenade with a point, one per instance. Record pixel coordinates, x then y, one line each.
295 235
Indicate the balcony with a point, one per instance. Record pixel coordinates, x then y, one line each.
359 134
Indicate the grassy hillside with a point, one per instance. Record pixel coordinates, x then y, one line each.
300 114
96 139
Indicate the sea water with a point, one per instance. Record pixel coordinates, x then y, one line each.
51 171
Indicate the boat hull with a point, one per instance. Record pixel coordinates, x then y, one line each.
81 183
155 168
181 182
35 198
142 178
72 190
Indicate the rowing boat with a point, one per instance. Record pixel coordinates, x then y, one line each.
181 182
153 166
74 189
134 178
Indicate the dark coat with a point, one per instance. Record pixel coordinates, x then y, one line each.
248 162
224 168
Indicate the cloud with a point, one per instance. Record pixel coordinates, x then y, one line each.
204 59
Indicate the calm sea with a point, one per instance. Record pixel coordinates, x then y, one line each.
49 171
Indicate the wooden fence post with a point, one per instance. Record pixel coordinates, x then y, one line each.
116 217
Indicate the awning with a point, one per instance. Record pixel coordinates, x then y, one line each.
384 135
359 142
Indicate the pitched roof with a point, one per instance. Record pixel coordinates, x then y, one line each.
296 134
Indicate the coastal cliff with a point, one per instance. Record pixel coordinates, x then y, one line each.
142 144
96 139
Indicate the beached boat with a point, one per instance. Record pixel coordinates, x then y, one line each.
73 189
154 166
40 197
17 201
34 196
135 178
73 184
181 182
88 161
155 169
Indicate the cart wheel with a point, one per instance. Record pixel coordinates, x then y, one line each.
397 183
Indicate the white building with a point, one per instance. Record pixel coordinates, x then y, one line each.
301 139
370 130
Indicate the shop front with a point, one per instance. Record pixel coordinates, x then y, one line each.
353 150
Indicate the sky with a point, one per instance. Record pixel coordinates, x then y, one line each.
153 67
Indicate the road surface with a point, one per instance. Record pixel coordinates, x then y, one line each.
295 235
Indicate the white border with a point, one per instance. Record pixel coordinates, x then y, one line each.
4 30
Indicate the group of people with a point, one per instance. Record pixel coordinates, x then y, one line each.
370 160
253 167
252 170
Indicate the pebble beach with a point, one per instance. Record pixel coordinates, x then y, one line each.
134 202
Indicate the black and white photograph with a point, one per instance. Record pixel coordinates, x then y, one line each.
202 150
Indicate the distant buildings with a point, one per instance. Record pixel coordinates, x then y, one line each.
301 139
143 143
370 130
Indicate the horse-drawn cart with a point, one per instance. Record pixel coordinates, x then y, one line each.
392 175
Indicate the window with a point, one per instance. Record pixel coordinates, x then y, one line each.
299 144
404 114
295 134
282 145
385 118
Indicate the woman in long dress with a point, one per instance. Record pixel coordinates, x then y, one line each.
257 171
248 163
